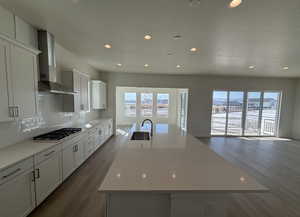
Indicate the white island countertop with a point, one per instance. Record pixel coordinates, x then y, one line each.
174 161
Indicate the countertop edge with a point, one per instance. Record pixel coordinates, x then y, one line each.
50 144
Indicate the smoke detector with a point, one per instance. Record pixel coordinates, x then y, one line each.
194 3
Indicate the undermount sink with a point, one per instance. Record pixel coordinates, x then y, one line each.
140 136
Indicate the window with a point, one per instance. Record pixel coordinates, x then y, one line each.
163 104
239 113
147 104
130 104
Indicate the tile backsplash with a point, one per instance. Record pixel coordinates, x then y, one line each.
49 117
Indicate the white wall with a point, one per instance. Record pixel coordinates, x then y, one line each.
200 94
296 119
50 106
121 119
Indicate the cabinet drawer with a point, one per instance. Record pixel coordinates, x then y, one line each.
47 154
16 170
93 131
71 141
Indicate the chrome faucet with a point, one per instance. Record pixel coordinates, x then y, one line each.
151 125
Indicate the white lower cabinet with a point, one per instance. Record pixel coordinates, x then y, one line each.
72 157
17 194
27 184
47 175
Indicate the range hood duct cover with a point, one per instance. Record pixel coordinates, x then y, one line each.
47 65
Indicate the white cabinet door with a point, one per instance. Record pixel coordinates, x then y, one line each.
78 154
24 78
103 100
17 196
84 93
4 85
48 177
72 158
68 161
7 23
98 94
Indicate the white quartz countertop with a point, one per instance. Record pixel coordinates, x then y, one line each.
174 161
15 153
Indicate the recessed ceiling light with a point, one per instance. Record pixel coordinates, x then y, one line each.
176 37
194 3
146 65
108 46
178 66
235 3
147 37
193 49
285 67
119 64
251 67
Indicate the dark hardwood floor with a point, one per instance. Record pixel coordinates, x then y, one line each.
274 163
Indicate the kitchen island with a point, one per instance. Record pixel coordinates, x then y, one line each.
171 175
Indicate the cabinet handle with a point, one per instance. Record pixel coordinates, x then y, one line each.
11 173
11 111
75 148
16 111
48 154
33 176
38 175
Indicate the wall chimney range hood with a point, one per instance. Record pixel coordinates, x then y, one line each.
47 65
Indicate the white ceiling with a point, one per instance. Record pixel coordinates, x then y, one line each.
263 33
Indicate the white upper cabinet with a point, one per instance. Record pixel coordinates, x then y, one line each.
5 114
24 82
7 23
98 95
84 93
25 33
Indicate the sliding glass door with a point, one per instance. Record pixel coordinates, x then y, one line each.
235 113
241 113
219 113
253 113
269 120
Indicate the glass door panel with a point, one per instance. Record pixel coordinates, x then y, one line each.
270 109
219 113
252 122
147 104
235 113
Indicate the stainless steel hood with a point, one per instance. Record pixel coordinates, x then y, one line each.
47 65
